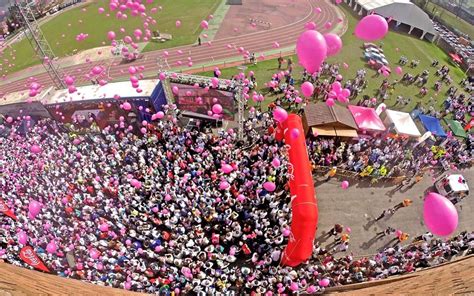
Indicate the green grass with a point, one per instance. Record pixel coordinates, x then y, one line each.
97 25
352 53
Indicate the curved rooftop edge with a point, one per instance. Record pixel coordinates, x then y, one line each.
452 278
455 277
21 281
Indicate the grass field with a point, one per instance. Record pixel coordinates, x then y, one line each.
61 31
351 54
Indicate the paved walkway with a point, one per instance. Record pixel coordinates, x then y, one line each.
259 42
359 205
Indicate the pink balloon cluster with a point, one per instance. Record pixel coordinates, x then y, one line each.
81 37
337 92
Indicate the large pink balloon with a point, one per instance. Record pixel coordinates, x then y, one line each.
307 88
34 208
334 43
269 186
440 215
280 114
227 168
372 27
35 149
22 238
311 49
217 109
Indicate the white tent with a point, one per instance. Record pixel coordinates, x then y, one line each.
400 11
123 89
402 123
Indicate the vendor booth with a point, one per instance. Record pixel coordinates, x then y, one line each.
367 119
433 125
456 127
323 120
401 123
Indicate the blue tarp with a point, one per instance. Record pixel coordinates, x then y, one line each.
433 125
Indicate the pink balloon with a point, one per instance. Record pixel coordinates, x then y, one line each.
224 185
204 24
135 183
35 149
324 282
371 28
295 133
337 87
126 106
269 186
178 23
69 80
334 43
226 168
310 26
111 35
440 215
399 70
311 49
94 254
330 102
104 227
217 109
22 238
276 162
345 184
345 92
307 88
280 114
34 208
51 247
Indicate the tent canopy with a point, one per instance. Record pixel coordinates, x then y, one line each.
366 118
401 11
456 127
403 123
433 125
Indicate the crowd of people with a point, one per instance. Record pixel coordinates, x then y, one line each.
156 213
391 157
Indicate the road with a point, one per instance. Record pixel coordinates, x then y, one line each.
357 206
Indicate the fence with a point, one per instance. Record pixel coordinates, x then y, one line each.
341 173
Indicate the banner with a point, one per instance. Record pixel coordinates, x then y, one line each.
6 211
28 255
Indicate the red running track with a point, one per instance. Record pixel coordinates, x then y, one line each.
256 42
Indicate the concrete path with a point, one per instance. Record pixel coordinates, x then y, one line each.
359 205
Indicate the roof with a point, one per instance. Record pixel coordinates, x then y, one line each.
456 278
403 123
433 125
456 127
402 11
22 281
457 186
367 118
95 92
322 114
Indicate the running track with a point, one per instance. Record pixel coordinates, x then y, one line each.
256 42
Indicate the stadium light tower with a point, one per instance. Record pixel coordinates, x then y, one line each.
26 16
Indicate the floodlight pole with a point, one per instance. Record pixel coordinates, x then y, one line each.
39 43
239 96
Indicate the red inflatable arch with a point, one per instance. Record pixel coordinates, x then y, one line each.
303 199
